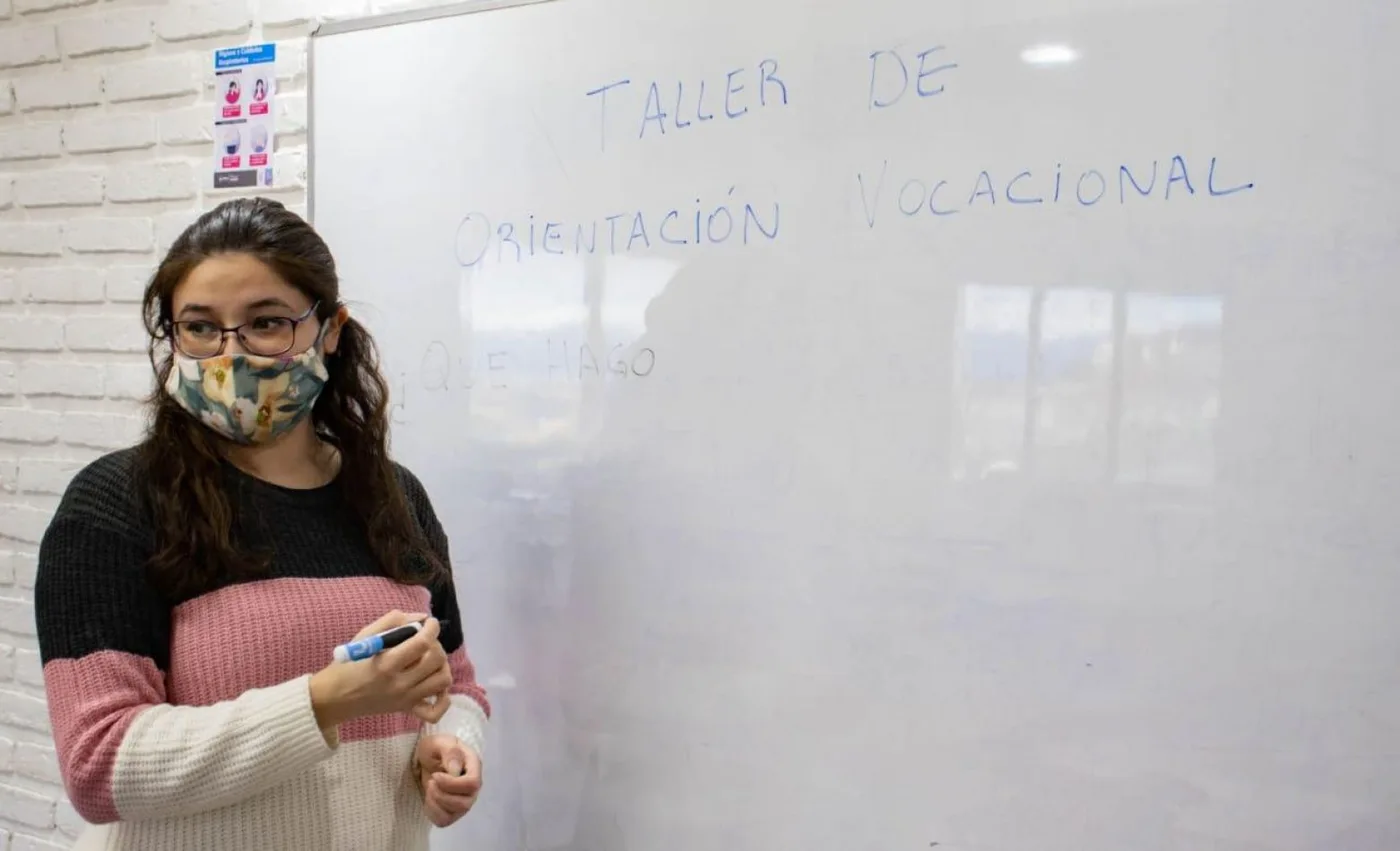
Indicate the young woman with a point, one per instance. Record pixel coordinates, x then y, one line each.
191 590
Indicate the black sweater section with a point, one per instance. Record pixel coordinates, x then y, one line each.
92 593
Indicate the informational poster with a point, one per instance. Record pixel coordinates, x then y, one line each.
244 79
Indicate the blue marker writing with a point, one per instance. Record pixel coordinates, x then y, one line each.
378 643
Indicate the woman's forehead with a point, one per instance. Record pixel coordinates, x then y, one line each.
231 281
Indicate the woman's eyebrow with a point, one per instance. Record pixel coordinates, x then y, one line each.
269 302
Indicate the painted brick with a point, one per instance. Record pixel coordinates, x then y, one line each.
127 381
154 78
37 762
291 60
25 567
106 33
29 667
172 181
7 193
169 226
100 431
8 288
7 98
28 44
291 115
107 235
6 10
186 127
31 809
31 333
200 20
7 662
27 524
26 7
26 425
99 333
22 842
127 284
70 188
278 13
61 284
16 615
7 753
69 822
9 379
47 476
31 142
109 133
62 378
31 239
60 90
24 523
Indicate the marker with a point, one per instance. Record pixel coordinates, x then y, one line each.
378 643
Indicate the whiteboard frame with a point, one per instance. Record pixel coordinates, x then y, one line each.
372 22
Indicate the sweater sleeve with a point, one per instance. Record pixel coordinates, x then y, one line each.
125 754
471 709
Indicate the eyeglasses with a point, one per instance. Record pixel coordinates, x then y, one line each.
266 336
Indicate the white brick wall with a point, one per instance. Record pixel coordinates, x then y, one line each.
104 157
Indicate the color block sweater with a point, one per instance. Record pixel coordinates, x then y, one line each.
186 724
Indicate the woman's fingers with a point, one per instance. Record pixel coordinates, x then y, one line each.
433 712
444 805
407 654
388 622
436 814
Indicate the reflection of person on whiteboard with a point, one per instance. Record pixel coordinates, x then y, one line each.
233 93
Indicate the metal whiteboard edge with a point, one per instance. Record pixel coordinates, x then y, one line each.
370 22
410 16
311 128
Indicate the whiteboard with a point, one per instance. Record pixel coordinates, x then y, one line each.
964 425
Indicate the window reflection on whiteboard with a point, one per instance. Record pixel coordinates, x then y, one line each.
1172 356
992 341
1055 416
1073 380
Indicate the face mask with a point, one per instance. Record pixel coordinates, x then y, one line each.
247 398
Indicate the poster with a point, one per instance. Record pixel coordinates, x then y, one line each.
244 78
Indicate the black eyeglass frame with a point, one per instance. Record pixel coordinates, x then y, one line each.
172 331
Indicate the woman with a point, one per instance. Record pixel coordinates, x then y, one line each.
191 589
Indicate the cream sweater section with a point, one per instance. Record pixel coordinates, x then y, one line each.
256 774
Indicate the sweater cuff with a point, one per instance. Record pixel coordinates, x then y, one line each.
464 719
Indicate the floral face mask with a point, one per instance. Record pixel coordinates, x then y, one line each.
249 399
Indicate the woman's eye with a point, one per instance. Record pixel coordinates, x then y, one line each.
268 323
200 328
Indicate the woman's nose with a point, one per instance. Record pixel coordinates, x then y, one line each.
233 345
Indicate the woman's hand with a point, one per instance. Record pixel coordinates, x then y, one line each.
400 679
449 773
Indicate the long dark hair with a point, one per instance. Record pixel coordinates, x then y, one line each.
180 461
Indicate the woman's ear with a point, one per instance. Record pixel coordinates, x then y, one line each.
336 323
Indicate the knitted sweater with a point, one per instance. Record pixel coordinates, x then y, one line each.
186 724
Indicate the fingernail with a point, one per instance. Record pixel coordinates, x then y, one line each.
455 768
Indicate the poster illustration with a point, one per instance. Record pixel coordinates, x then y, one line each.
244 79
